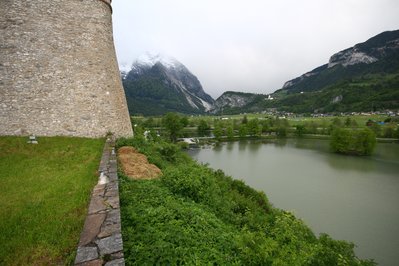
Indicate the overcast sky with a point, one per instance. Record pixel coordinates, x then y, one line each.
251 45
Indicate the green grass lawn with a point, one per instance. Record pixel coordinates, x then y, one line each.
45 189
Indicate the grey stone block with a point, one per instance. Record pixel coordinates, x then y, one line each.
111 225
118 262
86 254
96 205
114 202
110 244
91 228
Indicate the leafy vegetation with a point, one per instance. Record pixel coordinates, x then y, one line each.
194 215
260 125
173 124
45 193
357 142
368 92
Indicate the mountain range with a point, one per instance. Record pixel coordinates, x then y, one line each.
364 77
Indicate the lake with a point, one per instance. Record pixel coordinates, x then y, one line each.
350 198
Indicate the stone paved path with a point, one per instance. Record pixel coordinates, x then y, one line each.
101 240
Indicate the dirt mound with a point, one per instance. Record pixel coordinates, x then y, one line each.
135 165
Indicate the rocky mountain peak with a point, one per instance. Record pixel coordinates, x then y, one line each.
168 77
149 59
380 47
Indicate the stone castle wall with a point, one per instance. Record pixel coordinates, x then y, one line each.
58 70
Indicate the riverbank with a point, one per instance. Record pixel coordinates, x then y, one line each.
196 215
349 197
208 140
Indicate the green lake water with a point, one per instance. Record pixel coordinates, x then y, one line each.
350 198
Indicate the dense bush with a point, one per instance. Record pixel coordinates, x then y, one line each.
356 142
194 215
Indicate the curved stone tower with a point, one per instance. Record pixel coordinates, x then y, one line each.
58 70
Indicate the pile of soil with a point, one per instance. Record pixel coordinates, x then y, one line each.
135 165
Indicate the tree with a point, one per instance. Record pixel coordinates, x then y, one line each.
244 120
336 122
266 126
356 142
184 121
230 131
300 130
172 124
348 122
149 123
389 131
217 131
312 127
242 131
254 129
281 131
376 128
203 128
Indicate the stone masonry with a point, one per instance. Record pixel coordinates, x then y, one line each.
101 240
58 70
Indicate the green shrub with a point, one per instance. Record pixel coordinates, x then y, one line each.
168 151
356 142
194 215
191 182
183 145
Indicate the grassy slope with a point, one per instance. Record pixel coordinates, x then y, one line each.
366 93
45 190
196 216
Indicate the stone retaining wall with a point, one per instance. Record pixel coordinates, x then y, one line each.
101 240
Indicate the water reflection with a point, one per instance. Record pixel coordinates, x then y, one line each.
281 143
242 145
230 146
349 163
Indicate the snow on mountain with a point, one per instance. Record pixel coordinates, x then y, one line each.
174 79
149 59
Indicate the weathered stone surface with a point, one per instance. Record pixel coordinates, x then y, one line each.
92 263
112 189
118 262
114 202
113 167
109 230
110 244
59 73
98 190
117 255
111 193
111 225
91 228
86 254
97 204
113 176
